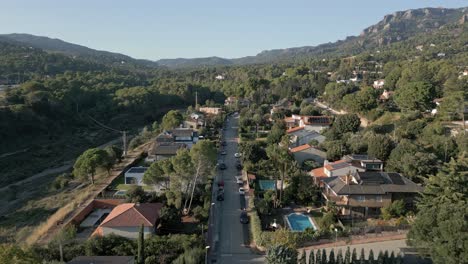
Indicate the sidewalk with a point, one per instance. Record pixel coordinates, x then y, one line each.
358 241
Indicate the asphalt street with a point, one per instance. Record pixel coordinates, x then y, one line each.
233 237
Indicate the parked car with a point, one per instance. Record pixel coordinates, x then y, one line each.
222 166
223 152
239 166
239 180
241 191
220 195
244 218
221 184
237 155
224 143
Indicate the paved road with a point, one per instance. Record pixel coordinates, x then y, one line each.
233 237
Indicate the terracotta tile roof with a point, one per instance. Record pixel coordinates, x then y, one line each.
289 119
318 173
251 176
300 148
294 129
131 214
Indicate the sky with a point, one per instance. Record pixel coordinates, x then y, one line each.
156 29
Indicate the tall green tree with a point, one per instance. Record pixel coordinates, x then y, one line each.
87 163
441 225
415 96
171 119
279 254
141 245
346 123
311 257
379 146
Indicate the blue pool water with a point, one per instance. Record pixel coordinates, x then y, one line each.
266 185
299 222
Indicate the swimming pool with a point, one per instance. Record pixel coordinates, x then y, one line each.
299 222
266 185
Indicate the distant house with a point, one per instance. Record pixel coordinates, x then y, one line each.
379 84
299 136
195 121
440 54
347 165
420 47
307 152
103 260
233 100
281 105
220 77
211 110
363 194
310 123
126 219
134 175
386 95
162 151
185 136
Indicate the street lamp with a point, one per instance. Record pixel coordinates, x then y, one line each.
336 235
206 254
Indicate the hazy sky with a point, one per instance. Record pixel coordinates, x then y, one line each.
155 29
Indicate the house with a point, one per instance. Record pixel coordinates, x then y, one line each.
220 77
103 260
310 123
363 194
211 110
233 100
195 121
163 150
347 165
185 135
386 95
126 219
440 54
282 104
299 136
134 175
307 152
379 84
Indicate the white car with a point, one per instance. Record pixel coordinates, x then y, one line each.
239 180
241 191
237 155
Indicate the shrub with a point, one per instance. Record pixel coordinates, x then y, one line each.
395 209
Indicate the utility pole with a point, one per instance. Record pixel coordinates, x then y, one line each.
124 137
196 100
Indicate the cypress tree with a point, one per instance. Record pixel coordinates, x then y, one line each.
339 257
371 257
380 258
311 257
303 258
318 257
392 259
347 257
324 256
331 257
354 256
362 258
141 246
386 257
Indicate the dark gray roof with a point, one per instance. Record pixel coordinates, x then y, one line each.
166 148
137 170
183 132
371 182
103 260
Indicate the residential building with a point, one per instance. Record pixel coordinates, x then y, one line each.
310 123
134 175
163 150
195 121
126 219
185 135
386 95
379 84
363 194
347 165
220 77
211 110
103 260
281 105
307 152
299 136
233 100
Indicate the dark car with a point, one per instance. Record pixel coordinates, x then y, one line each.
222 166
244 218
224 143
239 166
220 195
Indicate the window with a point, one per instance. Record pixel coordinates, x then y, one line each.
361 198
378 198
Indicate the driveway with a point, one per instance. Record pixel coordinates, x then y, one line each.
232 236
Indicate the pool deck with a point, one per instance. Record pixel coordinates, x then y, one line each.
93 217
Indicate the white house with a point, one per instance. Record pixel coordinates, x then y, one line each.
220 77
126 219
134 175
379 84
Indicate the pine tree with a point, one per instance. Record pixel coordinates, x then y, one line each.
331 257
303 258
362 258
318 257
371 259
324 256
339 257
386 257
141 246
347 257
354 256
311 257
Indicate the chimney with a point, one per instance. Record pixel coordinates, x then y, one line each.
325 163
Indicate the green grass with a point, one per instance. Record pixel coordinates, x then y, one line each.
126 187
